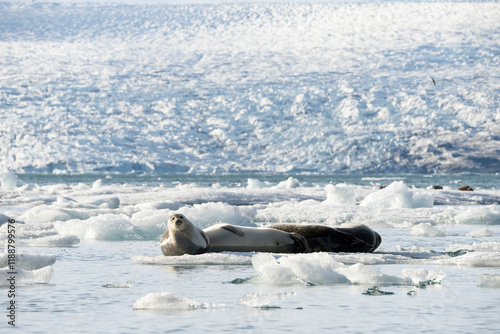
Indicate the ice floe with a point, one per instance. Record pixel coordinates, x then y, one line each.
426 230
397 195
201 259
489 281
167 301
38 276
264 300
28 261
321 268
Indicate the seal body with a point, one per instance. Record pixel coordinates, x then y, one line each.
354 238
182 237
225 237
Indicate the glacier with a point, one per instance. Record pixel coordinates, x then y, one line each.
216 87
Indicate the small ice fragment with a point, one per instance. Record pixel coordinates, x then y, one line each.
117 286
167 301
264 300
255 184
290 183
97 184
8 180
422 277
39 276
375 291
29 261
426 230
480 233
489 281
340 194
397 196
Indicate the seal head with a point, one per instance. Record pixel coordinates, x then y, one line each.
182 237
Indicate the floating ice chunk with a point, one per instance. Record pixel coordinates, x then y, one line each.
49 213
151 222
43 275
422 200
29 261
397 195
413 249
340 194
423 276
101 227
97 184
160 205
58 240
124 285
317 268
476 247
362 274
270 271
29 231
426 230
207 214
201 259
375 291
474 259
167 301
480 233
106 203
99 203
481 215
255 184
489 281
8 180
264 300
289 183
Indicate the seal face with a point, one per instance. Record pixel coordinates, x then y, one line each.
354 238
182 237
225 237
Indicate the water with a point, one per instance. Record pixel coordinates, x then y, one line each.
98 281
480 181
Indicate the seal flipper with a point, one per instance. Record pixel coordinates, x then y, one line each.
164 237
201 250
207 240
234 229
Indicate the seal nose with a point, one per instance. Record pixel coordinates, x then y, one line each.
178 222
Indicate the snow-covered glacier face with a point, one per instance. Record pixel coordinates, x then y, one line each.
321 87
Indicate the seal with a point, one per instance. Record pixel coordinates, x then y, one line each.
225 237
182 237
353 238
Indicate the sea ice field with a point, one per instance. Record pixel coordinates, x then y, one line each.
116 114
328 86
88 254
